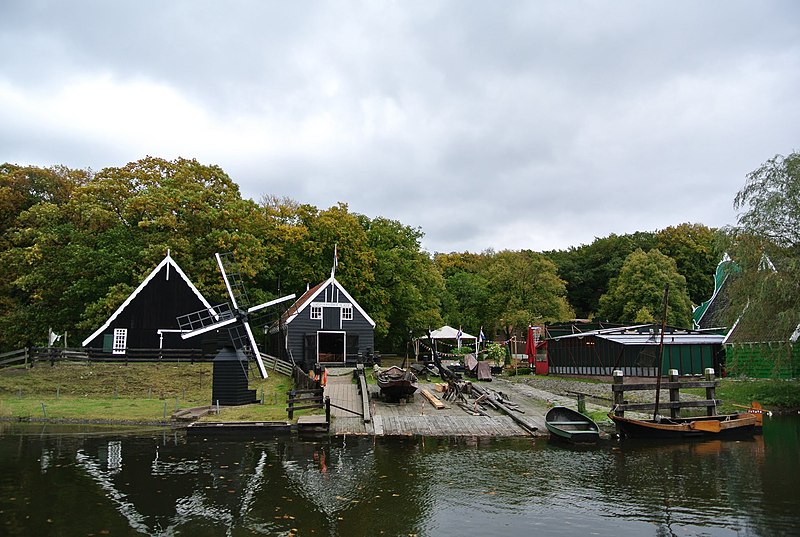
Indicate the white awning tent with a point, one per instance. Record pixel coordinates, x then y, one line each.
444 333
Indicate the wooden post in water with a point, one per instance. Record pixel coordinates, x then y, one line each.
674 394
619 397
660 360
711 392
328 409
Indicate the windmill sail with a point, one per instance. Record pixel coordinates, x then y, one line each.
234 316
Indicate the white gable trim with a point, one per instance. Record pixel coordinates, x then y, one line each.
167 261
322 288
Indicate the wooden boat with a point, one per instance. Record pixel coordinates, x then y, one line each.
396 383
718 426
570 425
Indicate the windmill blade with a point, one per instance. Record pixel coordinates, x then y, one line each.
256 354
271 303
227 283
221 324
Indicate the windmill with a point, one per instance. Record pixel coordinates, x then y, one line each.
235 315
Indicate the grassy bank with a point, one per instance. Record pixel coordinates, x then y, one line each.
772 394
134 392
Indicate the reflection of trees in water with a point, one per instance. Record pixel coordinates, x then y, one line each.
162 485
706 483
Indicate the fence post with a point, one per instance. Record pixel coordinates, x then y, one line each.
711 392
291 404
674 394
328 409
619 396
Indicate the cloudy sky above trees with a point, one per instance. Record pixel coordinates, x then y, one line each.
535 124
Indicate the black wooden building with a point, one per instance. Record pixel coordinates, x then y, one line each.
324 326
145 323
634 350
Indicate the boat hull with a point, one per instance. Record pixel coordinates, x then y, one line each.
396 383
729 426
571 426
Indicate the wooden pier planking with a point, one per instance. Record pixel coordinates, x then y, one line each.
417 417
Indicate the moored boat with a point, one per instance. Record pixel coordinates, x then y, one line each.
396 383
717 426
571 425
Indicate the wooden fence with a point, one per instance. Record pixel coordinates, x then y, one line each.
674 385
31 356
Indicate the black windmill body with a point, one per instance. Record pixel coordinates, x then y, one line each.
230 379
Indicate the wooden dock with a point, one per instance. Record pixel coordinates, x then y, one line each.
420 416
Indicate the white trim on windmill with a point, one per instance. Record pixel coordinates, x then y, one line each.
169 262
237 315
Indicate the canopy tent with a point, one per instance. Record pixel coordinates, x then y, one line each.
444 333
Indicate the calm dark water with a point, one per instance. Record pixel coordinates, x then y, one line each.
57 480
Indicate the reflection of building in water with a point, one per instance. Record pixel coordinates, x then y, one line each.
330 477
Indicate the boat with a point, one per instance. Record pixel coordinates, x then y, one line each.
716 426
567 424
396 383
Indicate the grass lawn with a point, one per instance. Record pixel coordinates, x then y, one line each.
134 392
773 394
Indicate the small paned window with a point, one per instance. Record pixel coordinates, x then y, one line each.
316 312
120 340
347 312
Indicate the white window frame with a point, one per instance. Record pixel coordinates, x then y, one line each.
347 312
316 311
120 341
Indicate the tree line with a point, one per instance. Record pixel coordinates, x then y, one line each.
75 243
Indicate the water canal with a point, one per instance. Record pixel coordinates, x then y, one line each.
59 480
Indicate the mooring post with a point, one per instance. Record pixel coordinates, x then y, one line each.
619 395
582 403
291 404
674 394
328 409
165 410
711 391
44 410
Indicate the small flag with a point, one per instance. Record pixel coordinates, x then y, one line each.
458 336
335 258
482 336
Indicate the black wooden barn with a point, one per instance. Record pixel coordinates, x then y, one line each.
324 326
634 350
146 322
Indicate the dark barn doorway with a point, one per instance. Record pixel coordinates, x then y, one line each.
331 347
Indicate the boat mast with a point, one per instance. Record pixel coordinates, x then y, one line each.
661 352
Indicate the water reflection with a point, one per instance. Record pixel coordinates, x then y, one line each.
62 481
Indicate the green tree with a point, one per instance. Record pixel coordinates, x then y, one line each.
637 293
70 265
406 296
692 248
525 288
766 245
587 269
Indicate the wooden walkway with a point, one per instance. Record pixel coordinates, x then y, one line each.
446 426
344 395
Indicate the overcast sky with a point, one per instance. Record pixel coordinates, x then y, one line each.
537 124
